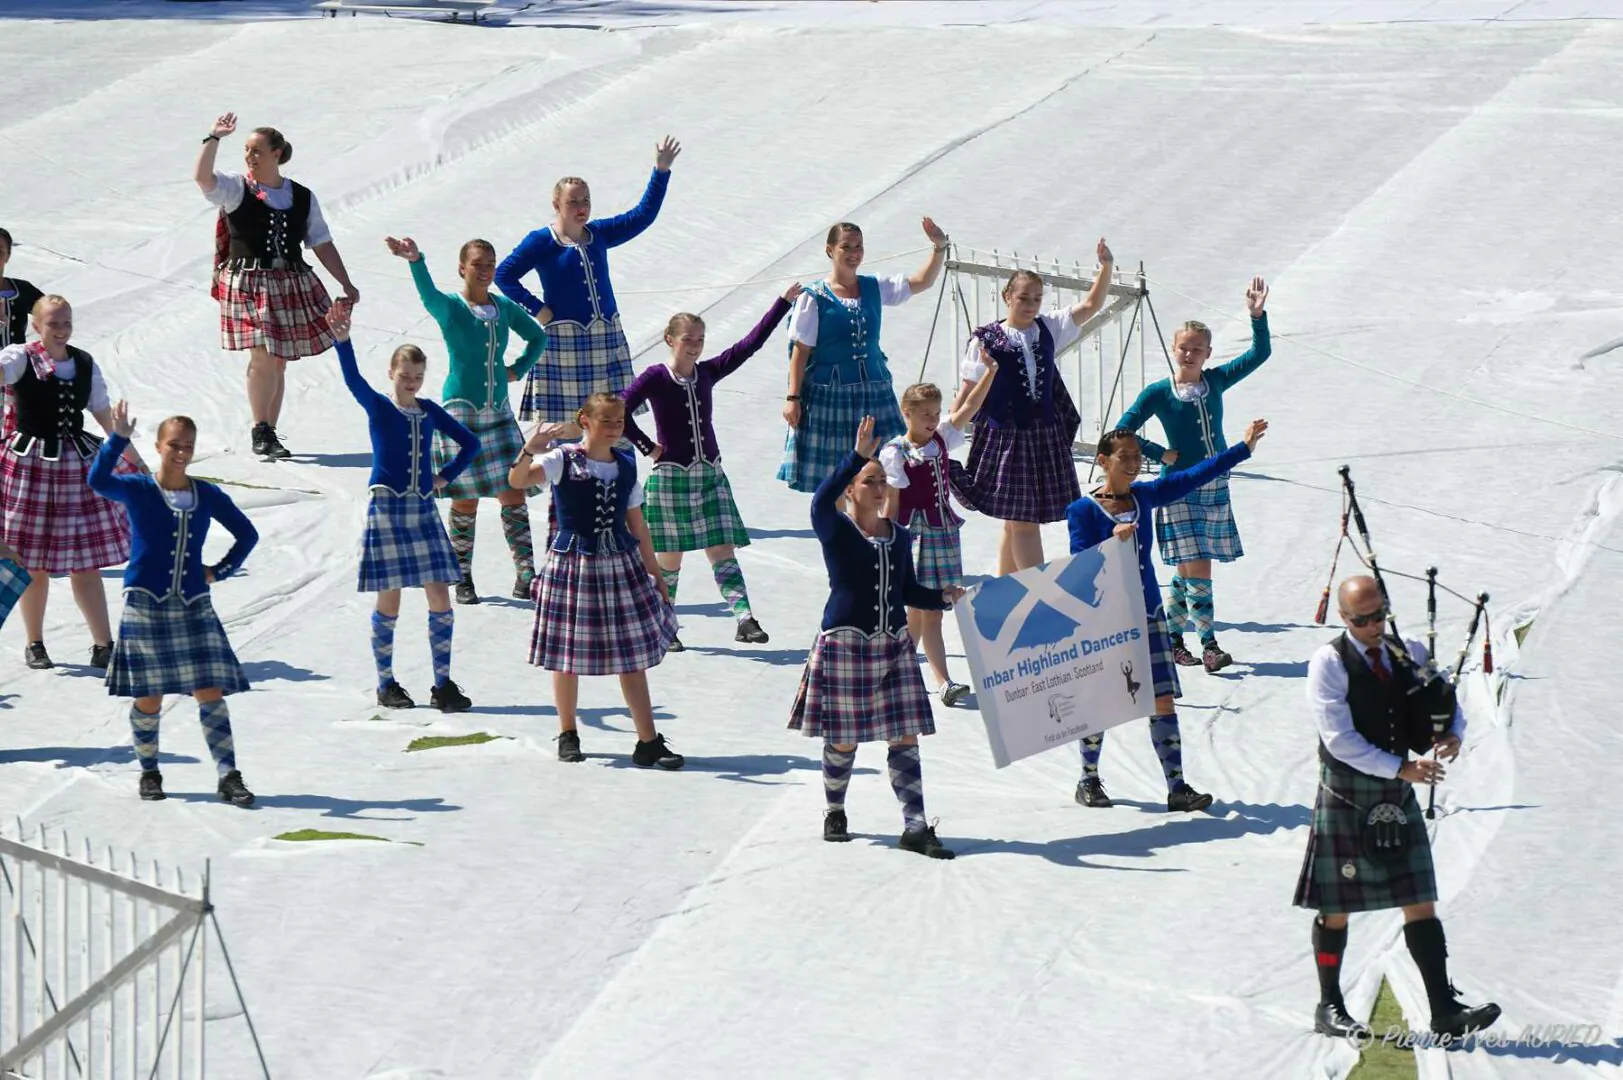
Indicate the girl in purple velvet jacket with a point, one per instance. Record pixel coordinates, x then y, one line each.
689 501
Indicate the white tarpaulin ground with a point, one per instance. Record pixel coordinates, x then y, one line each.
1434 201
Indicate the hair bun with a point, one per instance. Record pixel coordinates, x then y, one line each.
287 152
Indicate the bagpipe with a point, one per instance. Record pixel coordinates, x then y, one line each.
1432 693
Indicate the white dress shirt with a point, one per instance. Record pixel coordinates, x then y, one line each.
1327 697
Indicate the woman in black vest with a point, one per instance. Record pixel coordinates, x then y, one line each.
271 302
17 299
48 513
1368 849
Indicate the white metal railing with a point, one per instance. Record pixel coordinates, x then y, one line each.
102 964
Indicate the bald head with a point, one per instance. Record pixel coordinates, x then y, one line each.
1362 607
1358 593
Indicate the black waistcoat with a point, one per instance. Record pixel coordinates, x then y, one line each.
1380 714
265 236
51 411
14 324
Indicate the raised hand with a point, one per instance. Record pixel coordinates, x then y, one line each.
338 319
791 292
224 124
867 441
937 236
405 249
539 439
123 422
1256 296
665 153
1254 432
1102 252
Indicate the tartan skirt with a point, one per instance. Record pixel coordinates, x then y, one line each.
579 361
500 441
1337 877
599 615
171 647
1163 669
938 555
52 519
690 508
405 545
857 689
13 583
285 311
1199 526
828 428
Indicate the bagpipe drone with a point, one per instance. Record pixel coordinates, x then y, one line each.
1429 710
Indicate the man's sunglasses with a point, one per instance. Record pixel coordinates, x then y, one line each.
1365 620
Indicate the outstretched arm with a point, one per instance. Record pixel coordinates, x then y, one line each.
1226 375
436 303
629 225
925 276
204 173
732 358
338 321
101 478
1170 487
1083 311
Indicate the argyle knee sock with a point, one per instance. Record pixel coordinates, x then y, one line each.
516 528
671 577
1092 746
216 718
144 731
440 624
383 646
730 580
1200 606
836 774
1328 946
907 781
1168 747
462 526
1177 610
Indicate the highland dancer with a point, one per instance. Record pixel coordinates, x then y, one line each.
601 607
405 546
17 299
1368 849
170 641
588 350
690 503
49 516
837 372
916 467
475 325
271 302
1117 509
1200 527
861 682
1020 468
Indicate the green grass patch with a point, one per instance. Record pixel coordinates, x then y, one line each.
1386 1060
1521 632
434 742
318 834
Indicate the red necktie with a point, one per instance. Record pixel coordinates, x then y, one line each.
1377 664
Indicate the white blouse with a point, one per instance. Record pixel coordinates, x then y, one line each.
231 188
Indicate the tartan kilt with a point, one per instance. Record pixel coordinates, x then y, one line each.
1335 846
1022 473
405 545
579 361
500 441
690 508
599 615
938 555
52 519
13 582
1163 669
828 428
171 647
857 689
1199 526
285 311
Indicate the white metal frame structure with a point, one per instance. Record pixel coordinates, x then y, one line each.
101 972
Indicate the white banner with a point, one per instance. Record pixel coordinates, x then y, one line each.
1058 651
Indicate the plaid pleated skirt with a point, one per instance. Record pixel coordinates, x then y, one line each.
171 647
1163 669
405 545
690 508
858 689
1022 473
285 311
829 416
52 519
579 361
938 555
14 582
1199 526
500 441
599 615
1337 877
